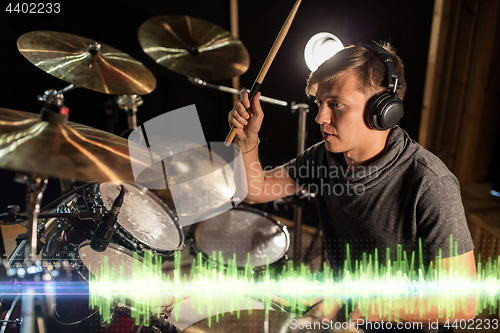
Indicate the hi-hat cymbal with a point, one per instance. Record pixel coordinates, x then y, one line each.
86 63
69 151
193 47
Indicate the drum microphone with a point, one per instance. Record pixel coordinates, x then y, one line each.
106 229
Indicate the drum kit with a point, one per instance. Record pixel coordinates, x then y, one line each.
61 237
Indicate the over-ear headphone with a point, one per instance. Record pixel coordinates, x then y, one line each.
384 110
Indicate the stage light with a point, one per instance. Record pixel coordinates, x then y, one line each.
321 47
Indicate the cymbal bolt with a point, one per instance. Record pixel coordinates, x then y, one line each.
94 48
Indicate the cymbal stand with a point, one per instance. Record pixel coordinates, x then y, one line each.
36 186
52 95
54 112
302 109
129 104
197 81
57 97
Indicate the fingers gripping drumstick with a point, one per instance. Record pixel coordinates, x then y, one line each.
267 64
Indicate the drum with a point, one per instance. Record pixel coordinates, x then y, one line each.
187 312
72 309
12 321
243 232
145 223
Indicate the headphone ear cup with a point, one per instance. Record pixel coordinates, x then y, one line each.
384 111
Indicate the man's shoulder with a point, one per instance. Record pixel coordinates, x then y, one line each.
428 170
430 164
417 161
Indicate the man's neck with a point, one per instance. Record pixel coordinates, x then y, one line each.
365 156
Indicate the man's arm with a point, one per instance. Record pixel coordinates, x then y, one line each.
262 186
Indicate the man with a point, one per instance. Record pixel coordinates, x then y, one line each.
375 188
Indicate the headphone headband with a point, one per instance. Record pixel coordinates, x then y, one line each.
392 77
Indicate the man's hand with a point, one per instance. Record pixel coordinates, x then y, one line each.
329 318
247 118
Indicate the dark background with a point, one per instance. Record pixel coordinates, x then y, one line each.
406 24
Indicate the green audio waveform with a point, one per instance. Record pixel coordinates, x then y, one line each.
400 284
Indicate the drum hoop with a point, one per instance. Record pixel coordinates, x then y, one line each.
128 236
112 245
283 228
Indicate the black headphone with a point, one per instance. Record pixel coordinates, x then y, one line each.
384 110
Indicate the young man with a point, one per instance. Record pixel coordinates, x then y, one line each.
375 188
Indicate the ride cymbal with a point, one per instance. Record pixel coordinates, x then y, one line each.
193 47
86 63
69 151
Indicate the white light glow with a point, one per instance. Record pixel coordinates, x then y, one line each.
321 47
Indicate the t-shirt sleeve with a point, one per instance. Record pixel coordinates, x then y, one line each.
442 225
300 167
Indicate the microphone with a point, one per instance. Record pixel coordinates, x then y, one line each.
106 229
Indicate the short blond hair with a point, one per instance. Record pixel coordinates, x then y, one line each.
371 72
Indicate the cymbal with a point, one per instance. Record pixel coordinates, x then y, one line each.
86 63
69 151
250 323
193 47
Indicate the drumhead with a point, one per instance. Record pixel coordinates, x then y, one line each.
117 256
243 231
144 216
190 312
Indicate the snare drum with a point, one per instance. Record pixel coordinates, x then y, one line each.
240 232
145 223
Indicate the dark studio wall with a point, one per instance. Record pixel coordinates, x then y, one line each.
115 22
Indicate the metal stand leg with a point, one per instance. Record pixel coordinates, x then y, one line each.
297 237
36 185
303 109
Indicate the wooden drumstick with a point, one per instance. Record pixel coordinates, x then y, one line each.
267 64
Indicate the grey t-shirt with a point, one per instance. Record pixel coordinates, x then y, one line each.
405 196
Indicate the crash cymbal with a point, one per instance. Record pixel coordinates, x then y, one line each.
193 47
244 321
86 63
69 151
